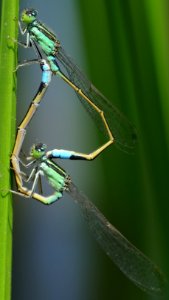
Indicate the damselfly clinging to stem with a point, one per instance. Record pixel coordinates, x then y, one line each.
108 118
131 261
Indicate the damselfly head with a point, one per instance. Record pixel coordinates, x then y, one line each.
28 15
38 150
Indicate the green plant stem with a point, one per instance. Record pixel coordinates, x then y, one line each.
9 10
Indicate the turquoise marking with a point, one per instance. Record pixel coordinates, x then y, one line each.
46 74
52 62
59 153
45 67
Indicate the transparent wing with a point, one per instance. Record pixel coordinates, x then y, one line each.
123 131
131 261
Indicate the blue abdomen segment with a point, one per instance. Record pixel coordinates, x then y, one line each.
59 153
46 77
46 73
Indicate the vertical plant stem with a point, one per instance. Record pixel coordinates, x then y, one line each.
9 10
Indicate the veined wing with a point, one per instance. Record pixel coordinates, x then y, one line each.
123 131
131 261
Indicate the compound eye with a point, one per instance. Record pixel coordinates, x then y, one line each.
43 148
40 147
34 13
31 12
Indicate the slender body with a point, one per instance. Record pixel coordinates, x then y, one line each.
107 116
131 261
21 132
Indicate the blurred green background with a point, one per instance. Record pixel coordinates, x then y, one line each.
123 46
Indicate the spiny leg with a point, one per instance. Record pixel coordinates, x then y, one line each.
28 63
43 199
31 194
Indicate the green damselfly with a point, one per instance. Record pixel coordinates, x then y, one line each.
108 118
131 261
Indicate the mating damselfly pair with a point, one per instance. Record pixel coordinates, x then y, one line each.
54 61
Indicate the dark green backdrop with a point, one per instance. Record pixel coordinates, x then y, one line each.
127 43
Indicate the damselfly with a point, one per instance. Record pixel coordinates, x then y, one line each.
131 261
108 118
